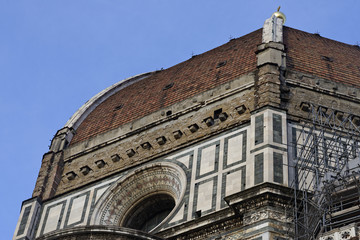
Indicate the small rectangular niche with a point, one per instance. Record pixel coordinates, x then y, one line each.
209 121
100 163
241 109
70 175
115 158
161 140
130 152
85 170
193 128
177 134
217 112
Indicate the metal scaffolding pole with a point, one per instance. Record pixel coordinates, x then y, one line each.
326 163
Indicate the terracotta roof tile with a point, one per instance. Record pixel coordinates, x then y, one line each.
306 52
196 75
325 58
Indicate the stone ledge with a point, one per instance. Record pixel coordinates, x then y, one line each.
141 155
100 232
265 190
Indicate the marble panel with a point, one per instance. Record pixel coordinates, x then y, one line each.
53 217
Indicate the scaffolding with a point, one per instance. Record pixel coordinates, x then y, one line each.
325 171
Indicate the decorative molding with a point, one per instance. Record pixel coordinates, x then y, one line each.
265 214
118 200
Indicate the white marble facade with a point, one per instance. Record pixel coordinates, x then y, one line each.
214 169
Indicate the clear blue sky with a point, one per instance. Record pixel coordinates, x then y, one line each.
57 54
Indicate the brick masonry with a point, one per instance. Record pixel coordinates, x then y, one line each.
222 118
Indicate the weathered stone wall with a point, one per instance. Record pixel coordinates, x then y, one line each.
215 168
304 88
205 115
210 170
42 179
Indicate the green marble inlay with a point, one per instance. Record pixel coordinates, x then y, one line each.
259 168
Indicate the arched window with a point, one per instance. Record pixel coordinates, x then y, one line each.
149 212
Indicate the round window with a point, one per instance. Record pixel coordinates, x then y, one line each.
143 199
149 212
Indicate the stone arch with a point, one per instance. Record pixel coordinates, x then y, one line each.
99 233
163 180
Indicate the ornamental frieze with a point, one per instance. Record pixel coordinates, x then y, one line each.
160 178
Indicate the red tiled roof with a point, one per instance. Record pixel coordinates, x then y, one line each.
196 75
325 58
306 52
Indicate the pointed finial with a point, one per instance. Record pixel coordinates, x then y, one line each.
279 14
273 28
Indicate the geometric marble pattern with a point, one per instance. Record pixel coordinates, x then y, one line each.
235 149
179 216
185 159
27 220
277 128
208 158
233 181
24 221
76 210
53 217
164 177
219 170
205 196
259 129
278 167
259 168
71 211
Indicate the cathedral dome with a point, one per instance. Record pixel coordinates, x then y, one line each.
141 95
144 94
222 145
